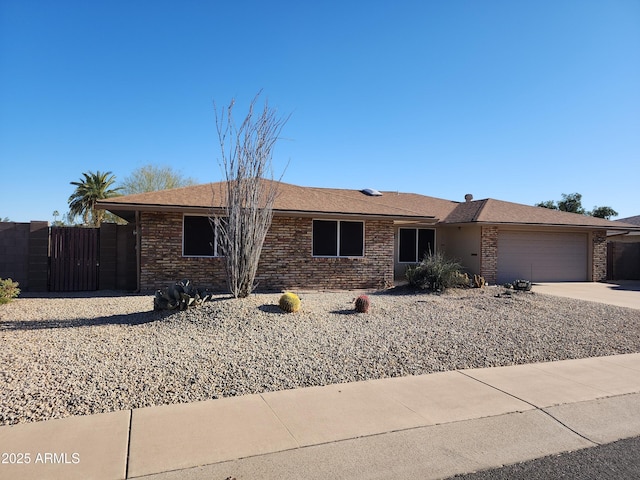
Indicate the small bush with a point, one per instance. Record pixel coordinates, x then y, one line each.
362 304
289 302
522 285
180 296
435 273
8 290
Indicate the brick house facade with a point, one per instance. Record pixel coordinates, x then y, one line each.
470 231
286 260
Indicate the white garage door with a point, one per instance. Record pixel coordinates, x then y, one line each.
542 257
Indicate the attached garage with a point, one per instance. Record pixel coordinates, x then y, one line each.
542 256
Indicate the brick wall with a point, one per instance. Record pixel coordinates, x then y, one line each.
286 260
161 260
285 263
489 252
599 259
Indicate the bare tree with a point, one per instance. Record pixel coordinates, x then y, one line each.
248 194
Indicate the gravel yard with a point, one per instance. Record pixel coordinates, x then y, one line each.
79 354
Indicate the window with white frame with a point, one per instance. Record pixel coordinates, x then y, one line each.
338 238
200 237
415 243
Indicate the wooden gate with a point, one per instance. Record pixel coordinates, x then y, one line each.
74 254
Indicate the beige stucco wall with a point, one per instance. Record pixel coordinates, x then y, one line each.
462 244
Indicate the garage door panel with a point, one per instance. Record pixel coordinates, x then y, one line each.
542 256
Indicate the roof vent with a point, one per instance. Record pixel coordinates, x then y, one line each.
371 192
468 197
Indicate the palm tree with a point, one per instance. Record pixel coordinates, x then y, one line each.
94 187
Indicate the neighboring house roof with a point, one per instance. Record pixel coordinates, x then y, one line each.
632 220
491 211
294 199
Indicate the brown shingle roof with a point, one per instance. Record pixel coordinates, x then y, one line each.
291 198
333 201
631 220
493 211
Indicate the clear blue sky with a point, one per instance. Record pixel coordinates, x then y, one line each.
515 100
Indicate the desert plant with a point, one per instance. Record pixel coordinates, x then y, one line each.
435 272
362 304
248 195
289 302
180 296
478 281
523 285
8 290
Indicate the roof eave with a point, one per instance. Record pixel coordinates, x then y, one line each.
538 224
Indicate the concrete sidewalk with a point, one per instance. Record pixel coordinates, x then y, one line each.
428 426
623 293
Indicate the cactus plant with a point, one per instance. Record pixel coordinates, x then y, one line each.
522 285
289 302
478 281
180 296
362 304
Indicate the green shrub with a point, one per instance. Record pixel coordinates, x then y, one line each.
289 302
8 290
436 273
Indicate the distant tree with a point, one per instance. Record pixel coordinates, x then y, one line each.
94 187
150 178
550 204
5 219
573 203
603 212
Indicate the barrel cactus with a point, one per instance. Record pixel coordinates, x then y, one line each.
289 302
362 304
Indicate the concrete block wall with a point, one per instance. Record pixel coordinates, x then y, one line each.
24 254
14 251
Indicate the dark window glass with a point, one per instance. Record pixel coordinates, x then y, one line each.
426 243
325 235
351 239
415 243
407 245
198 237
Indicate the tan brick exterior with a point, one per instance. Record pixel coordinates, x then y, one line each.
161 260
286 261
489 254
599 256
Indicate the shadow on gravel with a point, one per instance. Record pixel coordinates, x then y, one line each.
405 290
86 294
129 319
345 312
270 308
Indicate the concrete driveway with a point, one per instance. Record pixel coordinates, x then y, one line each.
623 293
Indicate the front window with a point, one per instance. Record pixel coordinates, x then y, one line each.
199 237
415 243
338 238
